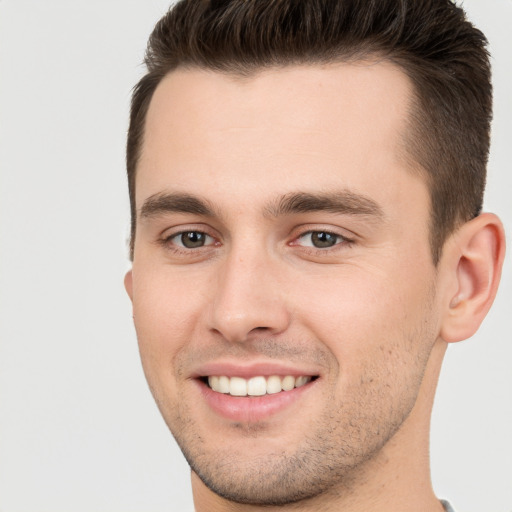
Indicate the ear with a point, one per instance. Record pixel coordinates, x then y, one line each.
474 258
128 284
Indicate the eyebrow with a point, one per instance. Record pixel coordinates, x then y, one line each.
161 203
342 202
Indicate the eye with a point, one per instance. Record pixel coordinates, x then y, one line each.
320 239
191 239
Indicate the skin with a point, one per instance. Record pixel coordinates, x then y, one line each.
369 317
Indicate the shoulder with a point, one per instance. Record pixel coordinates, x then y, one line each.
447 506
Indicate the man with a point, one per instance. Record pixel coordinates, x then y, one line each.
306 182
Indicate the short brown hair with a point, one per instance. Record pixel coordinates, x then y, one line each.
442 53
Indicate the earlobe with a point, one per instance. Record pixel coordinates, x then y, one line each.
477 258
128 284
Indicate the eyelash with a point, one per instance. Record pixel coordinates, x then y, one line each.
341 241
168 240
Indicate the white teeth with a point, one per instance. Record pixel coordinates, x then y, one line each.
213 382
274 385
219 384
237 386
256 386
288 383
301 381
223 385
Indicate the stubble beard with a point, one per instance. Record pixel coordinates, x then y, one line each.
321 465
331 459
339 448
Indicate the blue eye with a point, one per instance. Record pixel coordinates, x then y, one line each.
191 239
320 239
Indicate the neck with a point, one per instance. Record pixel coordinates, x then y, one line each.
397 479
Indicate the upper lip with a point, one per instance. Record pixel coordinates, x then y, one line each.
248 370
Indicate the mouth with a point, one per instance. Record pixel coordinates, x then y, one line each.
256 386
253 393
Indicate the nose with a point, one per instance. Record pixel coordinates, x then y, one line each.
249 297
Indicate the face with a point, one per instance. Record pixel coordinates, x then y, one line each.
282 284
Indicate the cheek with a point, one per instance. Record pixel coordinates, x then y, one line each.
165 315
166 310
379 320
381 337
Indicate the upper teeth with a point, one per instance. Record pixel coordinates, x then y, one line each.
256 386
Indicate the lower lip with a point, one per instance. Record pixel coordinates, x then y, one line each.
251 409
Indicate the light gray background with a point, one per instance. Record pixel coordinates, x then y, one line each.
78 428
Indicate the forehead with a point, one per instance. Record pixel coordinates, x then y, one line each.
280 130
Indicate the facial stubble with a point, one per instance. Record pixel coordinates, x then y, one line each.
337 446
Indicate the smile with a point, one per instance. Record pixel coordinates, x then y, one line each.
256 386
